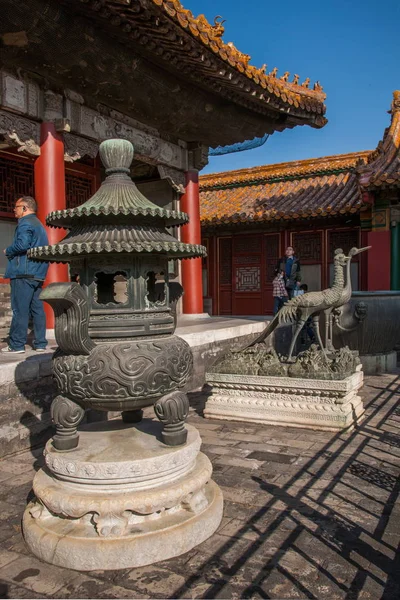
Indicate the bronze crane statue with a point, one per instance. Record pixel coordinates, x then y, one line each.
344 298
311 304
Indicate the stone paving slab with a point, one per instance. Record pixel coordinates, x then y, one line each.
307 515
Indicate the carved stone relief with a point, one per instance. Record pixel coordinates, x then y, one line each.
77 147
97 125
20 132
147 147
175 178
53 106
14 93
198 157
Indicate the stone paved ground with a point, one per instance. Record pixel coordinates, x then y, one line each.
307 515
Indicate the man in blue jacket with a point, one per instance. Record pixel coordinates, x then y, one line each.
27 277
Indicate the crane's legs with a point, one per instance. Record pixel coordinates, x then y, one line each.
328 316
315 320
299 326
331 346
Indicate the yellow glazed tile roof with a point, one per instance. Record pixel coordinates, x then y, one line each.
292 93
383 168
309 188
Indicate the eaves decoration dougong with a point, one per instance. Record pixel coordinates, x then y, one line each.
296 95
193 48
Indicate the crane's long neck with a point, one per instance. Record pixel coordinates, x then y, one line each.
338 280
348 278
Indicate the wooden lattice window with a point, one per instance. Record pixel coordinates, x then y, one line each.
308 246
345 239
79 187
16 179
244 244
225 261
248 279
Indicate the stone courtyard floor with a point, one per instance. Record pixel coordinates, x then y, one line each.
307 515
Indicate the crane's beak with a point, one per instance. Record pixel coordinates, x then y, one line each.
359 250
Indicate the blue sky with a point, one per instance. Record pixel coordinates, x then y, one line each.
351 46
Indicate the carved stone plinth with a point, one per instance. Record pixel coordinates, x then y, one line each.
288 401
122 499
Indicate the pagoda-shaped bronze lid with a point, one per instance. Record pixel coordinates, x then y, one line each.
117 218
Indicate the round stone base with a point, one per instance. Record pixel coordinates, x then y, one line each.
122 499
67 544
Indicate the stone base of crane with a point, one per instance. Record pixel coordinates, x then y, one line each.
122 499
332 405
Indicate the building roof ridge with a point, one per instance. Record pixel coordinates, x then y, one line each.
289 169
292 92
383 164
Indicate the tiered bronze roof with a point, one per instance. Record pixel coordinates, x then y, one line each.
383 168
118 218
319 187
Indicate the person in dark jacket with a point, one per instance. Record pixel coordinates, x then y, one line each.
291 267
26 277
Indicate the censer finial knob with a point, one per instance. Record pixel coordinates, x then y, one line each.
116 155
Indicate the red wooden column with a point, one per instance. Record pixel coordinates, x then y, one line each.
191 234
50 195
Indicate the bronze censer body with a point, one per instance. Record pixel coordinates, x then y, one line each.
114 328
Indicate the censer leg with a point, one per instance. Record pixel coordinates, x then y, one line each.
172 410
66 414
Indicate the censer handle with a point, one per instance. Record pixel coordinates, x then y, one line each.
71 311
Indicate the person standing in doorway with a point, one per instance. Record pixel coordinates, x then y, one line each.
290 265
279 291
26 277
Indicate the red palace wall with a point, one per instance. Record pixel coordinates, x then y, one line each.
240 267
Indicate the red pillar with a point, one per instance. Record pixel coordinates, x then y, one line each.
191 234
50 195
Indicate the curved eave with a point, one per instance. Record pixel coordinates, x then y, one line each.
311 167
275 216
383 168
64 252
181 43
295 97
65 219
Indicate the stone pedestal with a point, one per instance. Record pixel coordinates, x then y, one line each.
288 401
121 499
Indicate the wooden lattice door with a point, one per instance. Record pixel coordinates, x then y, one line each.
225 276
247 275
